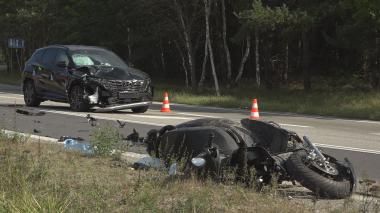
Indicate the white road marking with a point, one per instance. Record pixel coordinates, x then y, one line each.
376 133
293 125
197 115
103 117
35 138
11 97
348 148
161 117
368 122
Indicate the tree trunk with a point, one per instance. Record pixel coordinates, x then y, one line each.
205 60
376 75
183 63
188 45
225 44
162 57
305 62
185 70
244 59
207 16
286 70
257 58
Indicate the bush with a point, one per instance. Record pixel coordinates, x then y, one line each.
105 139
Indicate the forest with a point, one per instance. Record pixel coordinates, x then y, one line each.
215 43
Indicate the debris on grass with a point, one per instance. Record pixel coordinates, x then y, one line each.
148 162
63 138
84 148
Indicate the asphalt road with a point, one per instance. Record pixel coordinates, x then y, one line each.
358 140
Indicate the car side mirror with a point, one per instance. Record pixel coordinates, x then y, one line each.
62 64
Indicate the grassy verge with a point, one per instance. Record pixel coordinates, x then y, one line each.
47 178
327 102
12 78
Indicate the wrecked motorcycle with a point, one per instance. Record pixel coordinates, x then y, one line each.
215 146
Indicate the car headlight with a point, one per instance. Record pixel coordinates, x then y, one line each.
198 162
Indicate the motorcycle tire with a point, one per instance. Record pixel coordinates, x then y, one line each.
322 186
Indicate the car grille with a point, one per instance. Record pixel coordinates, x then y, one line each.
126 85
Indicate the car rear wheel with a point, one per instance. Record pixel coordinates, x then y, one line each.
30 95
140 109
77 101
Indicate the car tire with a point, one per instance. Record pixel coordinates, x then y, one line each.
140 109
77 101
325 187
30 95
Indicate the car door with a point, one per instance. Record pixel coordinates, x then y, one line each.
60 73
46 73
33 66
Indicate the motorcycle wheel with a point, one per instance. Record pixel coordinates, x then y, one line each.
322 185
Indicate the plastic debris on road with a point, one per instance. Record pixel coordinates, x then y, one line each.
148 162
72 144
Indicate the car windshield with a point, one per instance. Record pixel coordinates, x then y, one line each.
97 57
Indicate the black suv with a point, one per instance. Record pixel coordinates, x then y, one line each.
84 77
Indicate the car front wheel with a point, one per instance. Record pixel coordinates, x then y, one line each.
30 95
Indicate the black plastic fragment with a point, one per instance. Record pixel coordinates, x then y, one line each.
63 138
25 112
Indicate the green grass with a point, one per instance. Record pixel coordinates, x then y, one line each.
12 78
327 102
46 178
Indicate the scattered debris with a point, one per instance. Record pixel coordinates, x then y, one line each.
63 138
121 124
173 169
25 112
36 121
91 120
94 99
148 162
72 144
36 131
134 137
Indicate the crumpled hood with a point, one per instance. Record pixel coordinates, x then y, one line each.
117 73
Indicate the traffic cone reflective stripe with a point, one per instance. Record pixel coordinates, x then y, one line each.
166 104
254 111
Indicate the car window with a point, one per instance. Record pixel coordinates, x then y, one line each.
49 56
82 60
61 56
98 57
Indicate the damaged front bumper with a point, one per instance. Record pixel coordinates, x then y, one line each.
112 95
124 106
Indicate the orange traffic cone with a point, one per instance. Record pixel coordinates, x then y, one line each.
165 103
254 111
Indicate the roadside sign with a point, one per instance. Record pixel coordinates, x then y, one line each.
16 43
